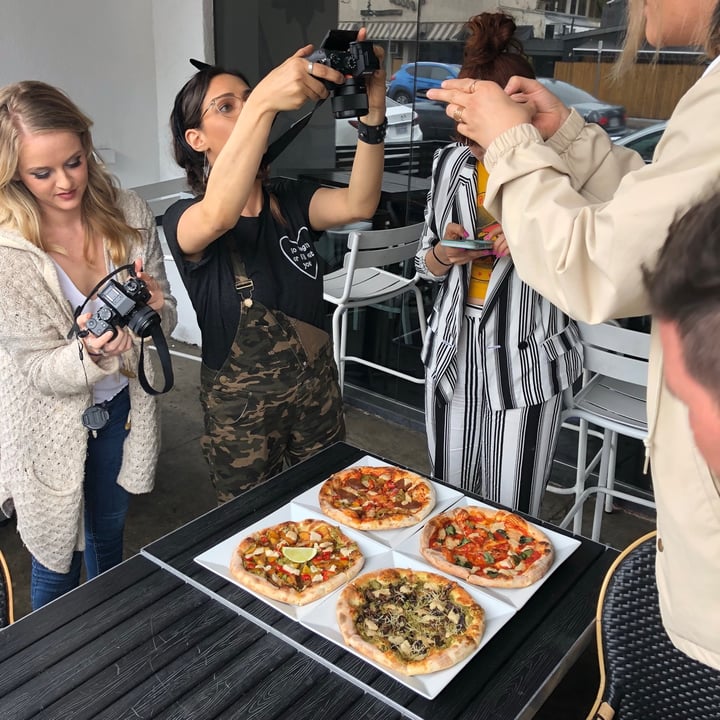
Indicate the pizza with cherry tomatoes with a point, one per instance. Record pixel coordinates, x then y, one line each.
377 498
487 546
296 562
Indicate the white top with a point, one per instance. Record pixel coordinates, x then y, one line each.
110 385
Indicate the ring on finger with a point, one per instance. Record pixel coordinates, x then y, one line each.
472 87
310 67
457 115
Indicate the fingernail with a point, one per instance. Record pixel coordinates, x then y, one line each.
465 233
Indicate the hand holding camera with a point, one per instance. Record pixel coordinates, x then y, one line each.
129 304
115 341
357 61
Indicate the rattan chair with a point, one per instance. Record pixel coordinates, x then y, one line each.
6 594
643 676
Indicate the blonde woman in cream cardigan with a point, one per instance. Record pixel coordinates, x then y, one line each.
63 227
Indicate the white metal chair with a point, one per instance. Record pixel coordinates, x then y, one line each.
612 398
363 281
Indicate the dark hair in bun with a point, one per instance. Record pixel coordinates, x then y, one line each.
492 52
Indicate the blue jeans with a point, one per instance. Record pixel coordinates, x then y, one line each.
106 505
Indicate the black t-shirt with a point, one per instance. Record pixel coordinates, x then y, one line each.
279 259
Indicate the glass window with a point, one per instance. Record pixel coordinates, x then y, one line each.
425 71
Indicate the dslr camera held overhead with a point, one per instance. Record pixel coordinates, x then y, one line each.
340 51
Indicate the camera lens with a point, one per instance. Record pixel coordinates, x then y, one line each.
350 99
143 320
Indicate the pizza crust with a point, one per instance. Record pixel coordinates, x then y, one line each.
292 596
352 608
508 577
335 488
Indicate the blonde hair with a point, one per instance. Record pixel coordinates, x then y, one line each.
35 107
635 36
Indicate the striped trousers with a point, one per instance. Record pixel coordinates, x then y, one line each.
504 456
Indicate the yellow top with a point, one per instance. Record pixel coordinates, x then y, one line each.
481 268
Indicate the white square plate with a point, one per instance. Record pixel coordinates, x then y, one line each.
444 498
323 620
217 558
564 547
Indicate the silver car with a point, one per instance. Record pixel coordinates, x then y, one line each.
403 126
644 140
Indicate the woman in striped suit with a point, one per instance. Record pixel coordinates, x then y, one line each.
498 356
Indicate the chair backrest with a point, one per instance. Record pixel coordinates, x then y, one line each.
6 594
616 352
643 675
376 248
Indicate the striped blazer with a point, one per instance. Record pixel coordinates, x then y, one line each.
532 349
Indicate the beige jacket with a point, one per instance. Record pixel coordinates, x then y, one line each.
45 387
582 216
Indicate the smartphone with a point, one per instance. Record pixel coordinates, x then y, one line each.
469 244
485 227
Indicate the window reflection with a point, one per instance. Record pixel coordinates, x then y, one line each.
423 42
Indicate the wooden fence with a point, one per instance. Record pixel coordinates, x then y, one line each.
647 91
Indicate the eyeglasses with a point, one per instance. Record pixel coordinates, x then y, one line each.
227 105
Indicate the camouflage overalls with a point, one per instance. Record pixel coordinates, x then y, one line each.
275 399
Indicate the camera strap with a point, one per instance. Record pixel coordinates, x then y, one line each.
279 144
164 355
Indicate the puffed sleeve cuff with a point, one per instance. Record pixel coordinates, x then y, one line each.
567 133
509 140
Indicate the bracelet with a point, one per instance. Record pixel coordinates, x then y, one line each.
434 254
372 134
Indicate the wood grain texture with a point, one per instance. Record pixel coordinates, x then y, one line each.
140 642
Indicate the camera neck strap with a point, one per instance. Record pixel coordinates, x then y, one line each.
165 363
279 144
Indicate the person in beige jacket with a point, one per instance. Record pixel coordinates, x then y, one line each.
582 216
684 289
63 226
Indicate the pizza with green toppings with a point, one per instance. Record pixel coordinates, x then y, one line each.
487 546
296 562
411 621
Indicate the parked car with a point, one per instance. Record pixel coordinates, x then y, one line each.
403 126
610 117
420 76
434 121
644 140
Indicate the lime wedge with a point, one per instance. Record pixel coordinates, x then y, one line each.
299 554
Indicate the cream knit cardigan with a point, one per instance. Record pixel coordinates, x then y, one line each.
45 387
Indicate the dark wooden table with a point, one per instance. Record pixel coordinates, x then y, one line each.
161 636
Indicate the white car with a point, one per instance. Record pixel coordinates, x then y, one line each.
644 140
403 126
